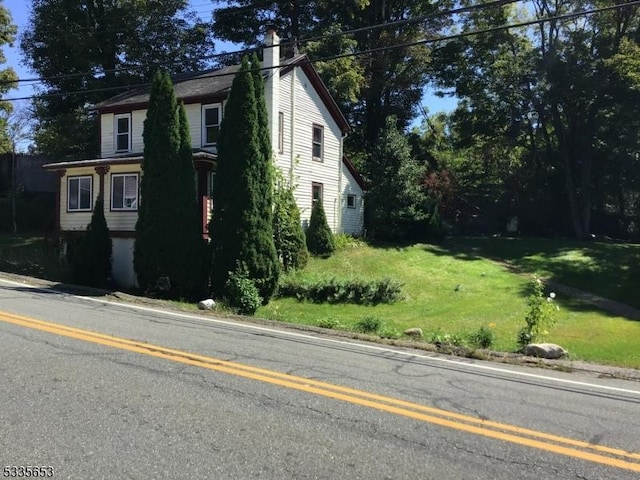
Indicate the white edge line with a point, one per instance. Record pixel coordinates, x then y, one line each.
341 342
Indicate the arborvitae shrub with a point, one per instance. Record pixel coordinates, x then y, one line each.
91 263
319 237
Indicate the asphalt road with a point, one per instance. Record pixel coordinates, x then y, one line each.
95 389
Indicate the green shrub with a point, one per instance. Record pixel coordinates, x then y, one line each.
241 292
344 240
441 338
389 332
329 322
288 235
482 338
368 324
336 290
540 316
319 237
91 263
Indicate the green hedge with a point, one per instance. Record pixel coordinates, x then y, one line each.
339 290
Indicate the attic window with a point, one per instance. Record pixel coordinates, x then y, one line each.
211 117
122 132
351 201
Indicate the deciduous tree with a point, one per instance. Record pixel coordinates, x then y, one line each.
87 50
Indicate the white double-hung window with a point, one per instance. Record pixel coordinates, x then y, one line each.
124 191
79 190
122 132
211 118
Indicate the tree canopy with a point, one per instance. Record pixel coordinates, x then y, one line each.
84 50
7 75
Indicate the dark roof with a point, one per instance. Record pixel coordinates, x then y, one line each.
214 85
128 159
209 83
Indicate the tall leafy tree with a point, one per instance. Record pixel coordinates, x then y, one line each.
241 225
168 249
85 50
7 76
541 104
368 87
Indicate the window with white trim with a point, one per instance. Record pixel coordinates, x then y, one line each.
316 192
79 194
318 142
351 201
124 191
122 132
211 118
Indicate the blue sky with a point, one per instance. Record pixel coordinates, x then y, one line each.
19 10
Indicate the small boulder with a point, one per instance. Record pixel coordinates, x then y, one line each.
207 304
550 351
413 332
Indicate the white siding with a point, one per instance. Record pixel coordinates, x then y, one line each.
352 218
309 110
76 220
107 147
137 125
194 117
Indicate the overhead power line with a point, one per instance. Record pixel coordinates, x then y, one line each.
562 17
379 26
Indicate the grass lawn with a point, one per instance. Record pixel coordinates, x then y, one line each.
457 287
453 288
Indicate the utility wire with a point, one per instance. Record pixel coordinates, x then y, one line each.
537 21
456 11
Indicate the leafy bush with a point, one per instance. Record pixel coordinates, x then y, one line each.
441 338
368 324
540 316
336 290
319 237
241 292
344 240
287 231
482 338
329 322
389 332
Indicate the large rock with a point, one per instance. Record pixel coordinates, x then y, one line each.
549 351
413 332
207 304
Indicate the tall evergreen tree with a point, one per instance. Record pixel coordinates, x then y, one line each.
91 263
395 200
241 228
167 244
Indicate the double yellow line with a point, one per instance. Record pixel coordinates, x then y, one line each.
552 443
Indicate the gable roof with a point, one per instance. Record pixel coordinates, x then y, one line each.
214 85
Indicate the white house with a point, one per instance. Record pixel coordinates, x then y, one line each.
307 132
